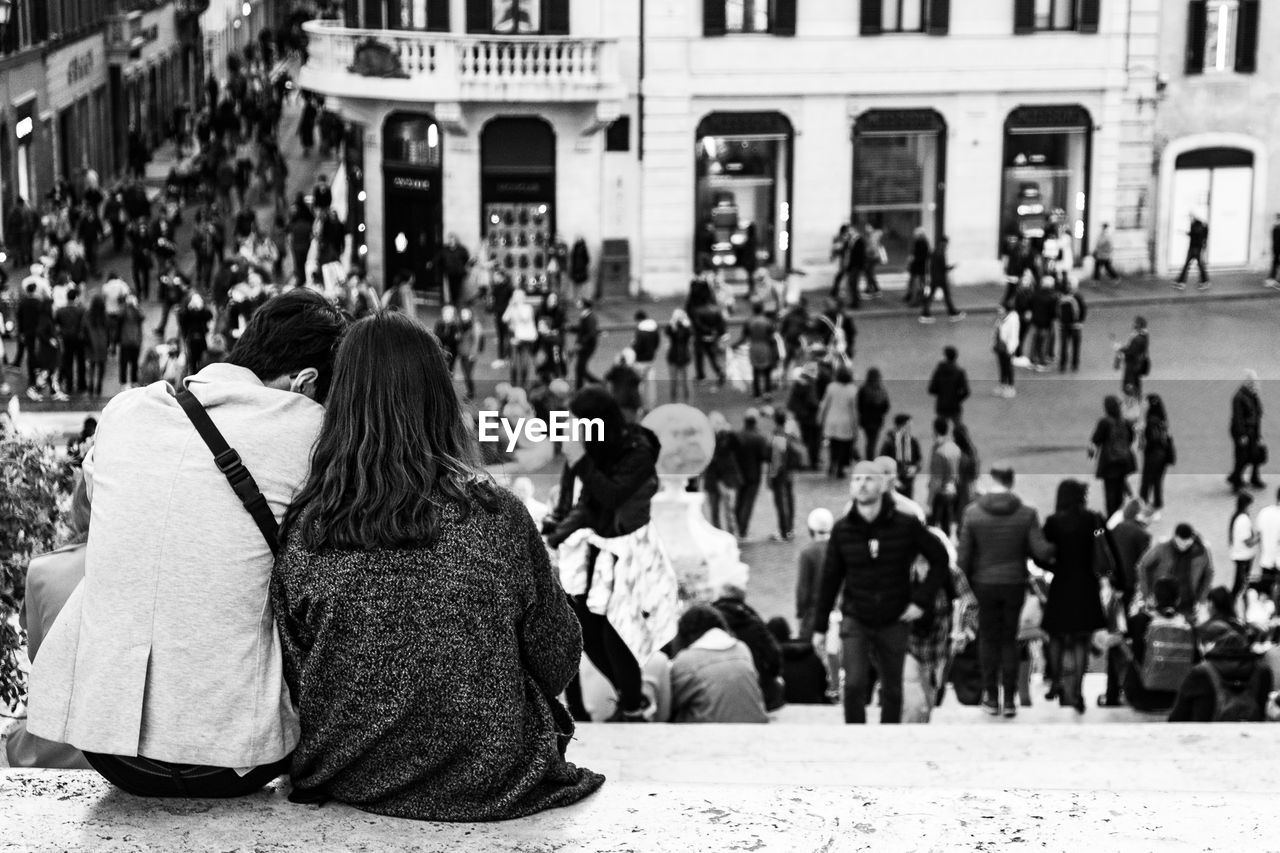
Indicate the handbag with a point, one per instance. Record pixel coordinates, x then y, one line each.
1260 453
1031 618
1105 563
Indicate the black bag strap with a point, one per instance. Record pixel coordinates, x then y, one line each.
229 463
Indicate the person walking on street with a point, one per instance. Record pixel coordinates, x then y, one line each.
1111 445
679 353
762 349
587 332
1158 454
901 446
645 344
1103 251
782 476
804 405
1246 433
812 557
710 330
1133 358
1197 242
944 477
940 281
949 385
998 535
1243 542
452 261
1005 344
870 558
1074 610
876 255
855 262
1071 316
838 415
753 453
1044 310
69 320
873 408
918 268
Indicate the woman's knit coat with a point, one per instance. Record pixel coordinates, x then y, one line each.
426 678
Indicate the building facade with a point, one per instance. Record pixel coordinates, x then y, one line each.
149 75
1217 148
495 120
26 131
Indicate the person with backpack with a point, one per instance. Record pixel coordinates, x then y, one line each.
1158 454
1112 446
804 675
1161 649
1229 686
746 625
1071 315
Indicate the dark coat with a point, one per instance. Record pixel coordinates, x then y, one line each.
1246 414
1075 606
724 469
752 451
1110 466
1196 702
950 388
873 405
426 678
877 580
681 338
615 494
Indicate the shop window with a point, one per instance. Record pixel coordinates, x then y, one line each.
905 16
743 191
518 17
412 141
899 167
618 136
518 198
1222 36
1031 16
1046 175
723 17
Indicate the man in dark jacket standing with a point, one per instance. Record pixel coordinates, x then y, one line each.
587 332
1044 310
949 385
753 460
998 534
1130 539
940 279
453 260
870 557
69 320
1246 432
1197 241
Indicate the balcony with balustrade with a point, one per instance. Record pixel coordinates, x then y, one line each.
417 66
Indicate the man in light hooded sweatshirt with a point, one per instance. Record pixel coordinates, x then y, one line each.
998 534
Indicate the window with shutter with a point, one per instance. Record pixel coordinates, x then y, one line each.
479 18
1197 25
1247 38
438 16
1024 16
784 17
939 21
713 18
1090 13
872 17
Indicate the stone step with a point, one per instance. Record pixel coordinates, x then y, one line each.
783 788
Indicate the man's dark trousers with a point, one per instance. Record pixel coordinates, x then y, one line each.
886 648
999 612
746 504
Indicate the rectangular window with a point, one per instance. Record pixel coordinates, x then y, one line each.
517 17
1055 14
747 16
618 135
1221 28
1032 16
903 16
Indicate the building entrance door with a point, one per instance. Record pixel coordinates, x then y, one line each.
1215 185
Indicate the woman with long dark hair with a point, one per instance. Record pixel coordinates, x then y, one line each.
873 407
838 415
425 636
620 585
1243 539
1074 611
1157 454
95 342
1112 446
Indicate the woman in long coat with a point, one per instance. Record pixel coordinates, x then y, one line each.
760 335
426 638
1074 611
838 415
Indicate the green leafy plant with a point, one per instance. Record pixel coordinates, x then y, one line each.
35 493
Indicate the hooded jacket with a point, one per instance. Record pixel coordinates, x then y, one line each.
1193 571
998 534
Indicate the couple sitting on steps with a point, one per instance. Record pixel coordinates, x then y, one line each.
345 598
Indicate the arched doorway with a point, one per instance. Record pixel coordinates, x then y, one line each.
899 177
743 190
1048 153
413 206
1215 185
518 197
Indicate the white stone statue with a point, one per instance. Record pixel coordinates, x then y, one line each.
704 557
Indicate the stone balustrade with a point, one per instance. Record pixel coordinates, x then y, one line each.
428 66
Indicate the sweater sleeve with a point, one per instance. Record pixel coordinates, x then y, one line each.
550 637
829 580
295 638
